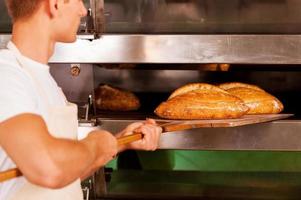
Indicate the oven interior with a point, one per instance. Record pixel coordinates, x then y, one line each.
259 161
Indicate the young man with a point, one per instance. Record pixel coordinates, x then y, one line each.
37 125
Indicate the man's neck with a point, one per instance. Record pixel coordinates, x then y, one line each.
33 40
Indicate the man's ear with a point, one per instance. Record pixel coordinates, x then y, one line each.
53 7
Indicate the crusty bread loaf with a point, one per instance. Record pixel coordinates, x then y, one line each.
258 101
227 86
115 99
195 86
201 101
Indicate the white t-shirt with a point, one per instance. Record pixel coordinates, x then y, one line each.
19 94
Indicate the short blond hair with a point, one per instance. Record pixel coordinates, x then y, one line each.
22 8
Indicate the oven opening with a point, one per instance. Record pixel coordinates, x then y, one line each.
153 83
260 161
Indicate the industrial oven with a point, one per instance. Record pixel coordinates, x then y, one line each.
152 47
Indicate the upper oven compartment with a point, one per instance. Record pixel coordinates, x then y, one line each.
203 16
185 17
191 31
183 31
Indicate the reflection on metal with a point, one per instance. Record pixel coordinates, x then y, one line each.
282 135
275 136
98 16
244 49
188 16
203 16
87 24
179 185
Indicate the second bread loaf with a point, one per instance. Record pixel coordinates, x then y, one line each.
115 99
258 101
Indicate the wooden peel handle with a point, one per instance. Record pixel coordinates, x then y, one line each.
129 139
14 173
10 174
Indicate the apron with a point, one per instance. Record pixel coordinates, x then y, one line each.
61 123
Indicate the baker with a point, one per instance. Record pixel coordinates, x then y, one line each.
38 127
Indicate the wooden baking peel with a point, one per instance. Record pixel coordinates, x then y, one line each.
179 125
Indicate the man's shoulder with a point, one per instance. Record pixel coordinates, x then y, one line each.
9 65
7 56
12 76
16 94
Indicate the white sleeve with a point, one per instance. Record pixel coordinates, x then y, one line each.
17 94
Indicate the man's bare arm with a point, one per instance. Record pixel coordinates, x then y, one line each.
50 162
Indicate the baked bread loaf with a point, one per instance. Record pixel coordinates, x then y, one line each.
227 86
258 101
201 101
195 86
115 99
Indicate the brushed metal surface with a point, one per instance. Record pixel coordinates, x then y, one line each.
241 49
282 135
244 49
275 136
76 88
199 185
